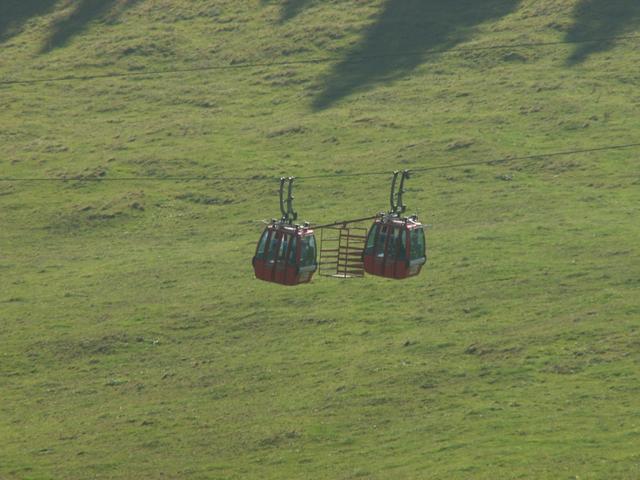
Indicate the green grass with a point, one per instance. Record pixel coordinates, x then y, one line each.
135 342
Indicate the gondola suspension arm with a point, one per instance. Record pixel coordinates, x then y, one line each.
288 214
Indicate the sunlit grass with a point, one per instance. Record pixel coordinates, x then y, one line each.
135 340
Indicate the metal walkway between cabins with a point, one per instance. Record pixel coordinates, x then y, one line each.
341 252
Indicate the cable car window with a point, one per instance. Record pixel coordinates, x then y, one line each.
273 245
394 236
382 238
417 243
262 245
292 251
308 254
282 251
371 238
402 245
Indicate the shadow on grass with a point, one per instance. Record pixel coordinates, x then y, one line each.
15 13
405 31
77 20
597 19
290 8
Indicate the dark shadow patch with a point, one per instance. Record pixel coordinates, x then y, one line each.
290 8
79 218
79 348
596 20
81 15
279 439
15 13
203 199
403 34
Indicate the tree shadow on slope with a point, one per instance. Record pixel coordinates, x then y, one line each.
403 34
15 13
290 8
598 19
77 20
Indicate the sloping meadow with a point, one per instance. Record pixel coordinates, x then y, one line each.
149 136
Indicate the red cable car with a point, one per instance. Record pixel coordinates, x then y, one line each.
395 245
395 248
286 253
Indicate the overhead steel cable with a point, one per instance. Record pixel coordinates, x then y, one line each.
529 157
483 162
318 60
226 178
89 178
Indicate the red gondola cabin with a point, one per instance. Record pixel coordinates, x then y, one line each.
286 254
395 248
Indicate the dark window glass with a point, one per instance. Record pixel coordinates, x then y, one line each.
392 247
262 245
308 253
292 251
402 245
371 239
382 239
417 243
284 243
273 246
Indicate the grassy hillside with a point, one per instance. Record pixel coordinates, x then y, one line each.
135 342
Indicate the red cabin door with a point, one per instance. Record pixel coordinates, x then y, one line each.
286 269
289 263
394 260
379 244
390 259
280 257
